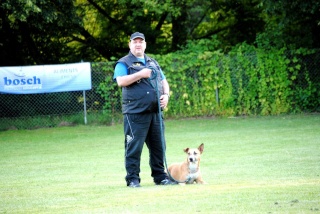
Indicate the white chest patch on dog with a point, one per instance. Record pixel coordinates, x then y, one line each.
193 173
193 168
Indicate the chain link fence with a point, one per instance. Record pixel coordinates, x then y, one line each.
102 104
30 111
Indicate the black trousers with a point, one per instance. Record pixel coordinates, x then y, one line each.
139 129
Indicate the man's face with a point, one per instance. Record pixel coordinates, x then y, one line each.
137 47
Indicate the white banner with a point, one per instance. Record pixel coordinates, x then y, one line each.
45 78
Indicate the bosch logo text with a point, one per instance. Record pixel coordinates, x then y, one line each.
22 81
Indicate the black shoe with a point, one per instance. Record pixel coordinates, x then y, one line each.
134 184
167 181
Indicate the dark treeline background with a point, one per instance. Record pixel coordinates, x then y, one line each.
61 31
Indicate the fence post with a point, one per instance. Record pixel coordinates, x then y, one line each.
85 107
217 96
217 91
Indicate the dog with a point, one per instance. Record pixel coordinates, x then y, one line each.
188 172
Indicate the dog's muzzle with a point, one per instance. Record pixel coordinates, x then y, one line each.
192 159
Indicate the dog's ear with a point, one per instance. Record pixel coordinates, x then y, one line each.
201 147
186 150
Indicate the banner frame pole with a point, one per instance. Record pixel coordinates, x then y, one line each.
84 107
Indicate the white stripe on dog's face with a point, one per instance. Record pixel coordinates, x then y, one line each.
193 155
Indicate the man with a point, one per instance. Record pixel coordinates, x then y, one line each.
141 79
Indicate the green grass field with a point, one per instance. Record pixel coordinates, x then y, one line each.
251 165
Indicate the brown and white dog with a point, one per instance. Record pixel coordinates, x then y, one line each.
189 170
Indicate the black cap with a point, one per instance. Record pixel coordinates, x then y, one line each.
137 35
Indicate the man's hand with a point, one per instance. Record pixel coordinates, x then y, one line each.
164 100
129 79
145 73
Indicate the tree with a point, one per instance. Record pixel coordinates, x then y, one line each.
292 23
36 32
116 20
167 24
47 31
